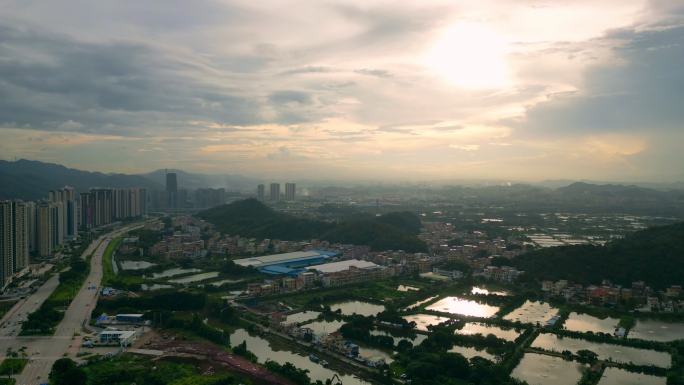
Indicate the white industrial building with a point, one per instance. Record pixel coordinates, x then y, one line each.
111 336
336 267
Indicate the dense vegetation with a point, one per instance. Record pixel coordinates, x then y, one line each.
654 255
358 328
128 369
289 371
171 301
431 363
251 218
12 366
108 275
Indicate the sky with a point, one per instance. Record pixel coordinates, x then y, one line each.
351 90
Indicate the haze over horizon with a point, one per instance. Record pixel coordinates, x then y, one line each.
371 90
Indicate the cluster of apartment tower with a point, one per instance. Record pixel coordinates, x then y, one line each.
40 227
290 190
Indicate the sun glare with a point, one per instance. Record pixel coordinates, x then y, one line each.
471 56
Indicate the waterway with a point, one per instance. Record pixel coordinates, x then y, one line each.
466 307
365 309
539 369
587 323
264 350
617 353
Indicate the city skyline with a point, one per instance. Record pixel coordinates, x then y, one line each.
376 91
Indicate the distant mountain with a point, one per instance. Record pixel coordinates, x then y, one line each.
30 180
609 196
251 218
576 197
663 186
654 255
610 190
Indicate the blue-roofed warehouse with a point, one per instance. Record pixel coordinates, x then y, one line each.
287 263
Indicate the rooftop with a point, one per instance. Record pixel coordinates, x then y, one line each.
335 267
273 259
123 334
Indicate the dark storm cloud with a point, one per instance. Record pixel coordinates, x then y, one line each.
643 93
46 80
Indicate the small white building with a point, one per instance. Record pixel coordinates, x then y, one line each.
111 336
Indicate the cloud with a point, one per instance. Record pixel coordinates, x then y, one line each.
642 91
287 97
330 88
48 80
308 70
374 72
465 147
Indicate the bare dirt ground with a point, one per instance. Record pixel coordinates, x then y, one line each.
209 355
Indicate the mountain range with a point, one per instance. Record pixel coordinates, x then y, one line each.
31 180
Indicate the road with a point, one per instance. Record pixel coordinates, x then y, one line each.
10 325
43 351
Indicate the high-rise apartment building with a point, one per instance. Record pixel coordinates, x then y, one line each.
32 226
69 215
261 192
171 190
6 234
290 189
275 192
14 239
45 223
102 206
87 214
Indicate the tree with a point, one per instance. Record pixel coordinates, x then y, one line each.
586 356
241 350
404 346
65 372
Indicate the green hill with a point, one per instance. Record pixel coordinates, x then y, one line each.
654 255
251 218
376 234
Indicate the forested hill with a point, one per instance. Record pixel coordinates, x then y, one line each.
654 255
251 218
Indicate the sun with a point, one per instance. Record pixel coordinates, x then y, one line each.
471 56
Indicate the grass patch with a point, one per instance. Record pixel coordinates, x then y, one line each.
108 275
11 366
122 280
129 369
382 291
